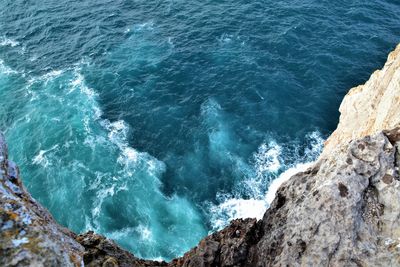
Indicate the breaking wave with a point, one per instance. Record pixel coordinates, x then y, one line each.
273 164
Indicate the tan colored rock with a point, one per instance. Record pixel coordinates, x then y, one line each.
370 108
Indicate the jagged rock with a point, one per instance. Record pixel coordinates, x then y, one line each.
100 251
228 247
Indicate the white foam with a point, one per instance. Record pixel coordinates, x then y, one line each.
117 132
41 159
144 232
33 58
88 91
102 194
130 154
234 208
8 42
51 75
226 38
170 42
78 81
317 143
268 161
118 234
144 26
5 69
46 78
267 158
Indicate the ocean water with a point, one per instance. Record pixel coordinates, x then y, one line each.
157 122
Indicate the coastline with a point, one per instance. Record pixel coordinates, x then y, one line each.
355 183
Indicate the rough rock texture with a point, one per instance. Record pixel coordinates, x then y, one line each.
228 247
100 251
372 107
343 211
28 233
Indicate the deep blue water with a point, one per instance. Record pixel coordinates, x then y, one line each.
155 122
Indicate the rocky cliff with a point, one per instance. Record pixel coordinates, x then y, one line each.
371 107
343 211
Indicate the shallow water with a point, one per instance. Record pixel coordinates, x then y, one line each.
155 122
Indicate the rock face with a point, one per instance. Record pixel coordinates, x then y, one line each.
343 211
100 251
372 107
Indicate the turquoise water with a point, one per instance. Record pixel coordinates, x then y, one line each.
156 122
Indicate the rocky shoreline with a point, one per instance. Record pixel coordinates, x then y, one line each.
343 211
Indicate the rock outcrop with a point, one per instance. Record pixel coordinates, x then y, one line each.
343 211
100 251
371 107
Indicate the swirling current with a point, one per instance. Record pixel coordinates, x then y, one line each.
156 122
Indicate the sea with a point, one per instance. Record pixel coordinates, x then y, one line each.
156 122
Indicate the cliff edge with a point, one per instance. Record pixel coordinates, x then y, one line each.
343 211
371 107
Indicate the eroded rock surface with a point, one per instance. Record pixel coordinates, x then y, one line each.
100 251
371 107
342 212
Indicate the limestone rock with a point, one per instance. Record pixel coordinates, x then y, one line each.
342 212
372 107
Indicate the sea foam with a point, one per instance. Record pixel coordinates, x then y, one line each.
270 172
8 42
82 156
